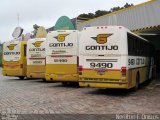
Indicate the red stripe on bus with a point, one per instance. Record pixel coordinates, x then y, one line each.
12 65
105 70
61 55
36 58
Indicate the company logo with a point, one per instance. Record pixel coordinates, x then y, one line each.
61 37
11 46
101 38
37 43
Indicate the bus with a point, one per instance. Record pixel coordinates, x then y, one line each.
62 56
14 58
36 58
114 57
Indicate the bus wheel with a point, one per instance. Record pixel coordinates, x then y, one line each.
64 83
153 74
137 82
75 84
21 77
44 80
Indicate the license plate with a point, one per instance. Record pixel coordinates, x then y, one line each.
100 71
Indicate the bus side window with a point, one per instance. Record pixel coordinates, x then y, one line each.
131 44
25 50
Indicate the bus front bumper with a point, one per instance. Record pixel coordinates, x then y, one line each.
104 84
62 77
13 73
36 75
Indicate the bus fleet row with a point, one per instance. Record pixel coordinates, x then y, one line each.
100 56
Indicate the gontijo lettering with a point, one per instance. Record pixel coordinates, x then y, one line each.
11 53
112 47
37 49
61 45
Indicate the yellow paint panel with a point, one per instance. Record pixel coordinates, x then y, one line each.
113 79
62 72
12 72
107 74
36 71
143 73
108 79
103 85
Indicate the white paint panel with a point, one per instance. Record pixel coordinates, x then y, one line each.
136 61
36 54
110 59
61 60
116 43
35 61
62 52
12 51
96 62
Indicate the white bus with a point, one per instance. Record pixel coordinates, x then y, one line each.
62 56
113 57
36 58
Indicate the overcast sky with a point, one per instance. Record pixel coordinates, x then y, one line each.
46 12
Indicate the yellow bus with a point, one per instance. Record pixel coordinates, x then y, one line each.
36 58
14 59
62 56
114 57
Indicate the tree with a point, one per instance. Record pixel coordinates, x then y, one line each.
89 15
35 27
103 12
127 5
115 9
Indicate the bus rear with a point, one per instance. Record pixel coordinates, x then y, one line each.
62 59
102 56
36 56
14 59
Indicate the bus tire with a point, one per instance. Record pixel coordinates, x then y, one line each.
44 80
153 74
137 82
64 83
21 77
